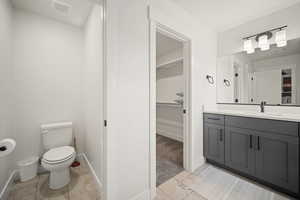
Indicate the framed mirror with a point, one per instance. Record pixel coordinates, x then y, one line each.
272 76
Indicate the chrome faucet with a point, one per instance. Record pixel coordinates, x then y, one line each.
262 106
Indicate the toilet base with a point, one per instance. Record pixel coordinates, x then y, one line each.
59 178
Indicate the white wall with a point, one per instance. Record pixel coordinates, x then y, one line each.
128 89
204 51
230 42
169 81
5 86
93 89
169 121
47 60
127 100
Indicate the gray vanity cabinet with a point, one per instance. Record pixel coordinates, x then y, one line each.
239 149
277 160
214 142
264 150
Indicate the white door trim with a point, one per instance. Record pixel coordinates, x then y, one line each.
157 27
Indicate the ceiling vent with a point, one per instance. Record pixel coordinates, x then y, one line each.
61 6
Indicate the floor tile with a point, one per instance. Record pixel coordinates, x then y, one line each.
84 187
81 187
212 183
194 196
160 195
45 193
25 190
182 176
175 189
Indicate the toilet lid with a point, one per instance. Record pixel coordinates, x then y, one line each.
59 153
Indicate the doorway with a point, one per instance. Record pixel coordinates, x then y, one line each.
170 109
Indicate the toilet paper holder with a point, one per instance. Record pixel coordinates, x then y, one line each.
7 146
3 148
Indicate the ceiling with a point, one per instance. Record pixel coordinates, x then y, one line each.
221 15
166 44
77 14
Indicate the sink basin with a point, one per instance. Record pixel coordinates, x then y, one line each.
262 114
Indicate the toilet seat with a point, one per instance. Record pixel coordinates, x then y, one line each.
58 155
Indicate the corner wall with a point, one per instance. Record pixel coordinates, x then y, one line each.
47 63
5 86
93 89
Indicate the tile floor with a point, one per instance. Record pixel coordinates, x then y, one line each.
212 183
81 187
169 158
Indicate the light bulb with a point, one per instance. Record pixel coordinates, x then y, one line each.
263 43
280 38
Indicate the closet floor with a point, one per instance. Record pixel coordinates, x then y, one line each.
169 158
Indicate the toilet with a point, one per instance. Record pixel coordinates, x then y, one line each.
59 154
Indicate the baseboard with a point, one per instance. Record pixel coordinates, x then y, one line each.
8 185
152 193
142 196
82 155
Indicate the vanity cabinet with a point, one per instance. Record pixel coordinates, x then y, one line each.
214 142
214 145
277 160
264 150
239 149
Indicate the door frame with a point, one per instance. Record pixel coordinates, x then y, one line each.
187 149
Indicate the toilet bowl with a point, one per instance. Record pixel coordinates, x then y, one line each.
57 161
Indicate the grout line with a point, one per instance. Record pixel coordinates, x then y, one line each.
230 189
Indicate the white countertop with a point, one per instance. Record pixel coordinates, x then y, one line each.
253 114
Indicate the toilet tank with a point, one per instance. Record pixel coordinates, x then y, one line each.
57 134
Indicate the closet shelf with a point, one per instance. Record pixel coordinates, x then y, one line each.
168 104
170 62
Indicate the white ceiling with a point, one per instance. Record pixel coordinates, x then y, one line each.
77 16
166 44
221 15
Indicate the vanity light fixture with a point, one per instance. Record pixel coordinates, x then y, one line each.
263 39
263 42
248 46
280 38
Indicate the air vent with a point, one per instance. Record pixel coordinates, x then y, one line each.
61 6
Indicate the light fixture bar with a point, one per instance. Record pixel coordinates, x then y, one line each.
274 29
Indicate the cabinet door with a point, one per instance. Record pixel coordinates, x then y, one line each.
239 149
277 160
214 142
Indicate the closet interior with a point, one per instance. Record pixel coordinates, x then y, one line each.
169 107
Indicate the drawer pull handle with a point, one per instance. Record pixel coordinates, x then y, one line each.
258 143
213 118
251 144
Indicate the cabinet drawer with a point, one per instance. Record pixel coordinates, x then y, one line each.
267 125
214 119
